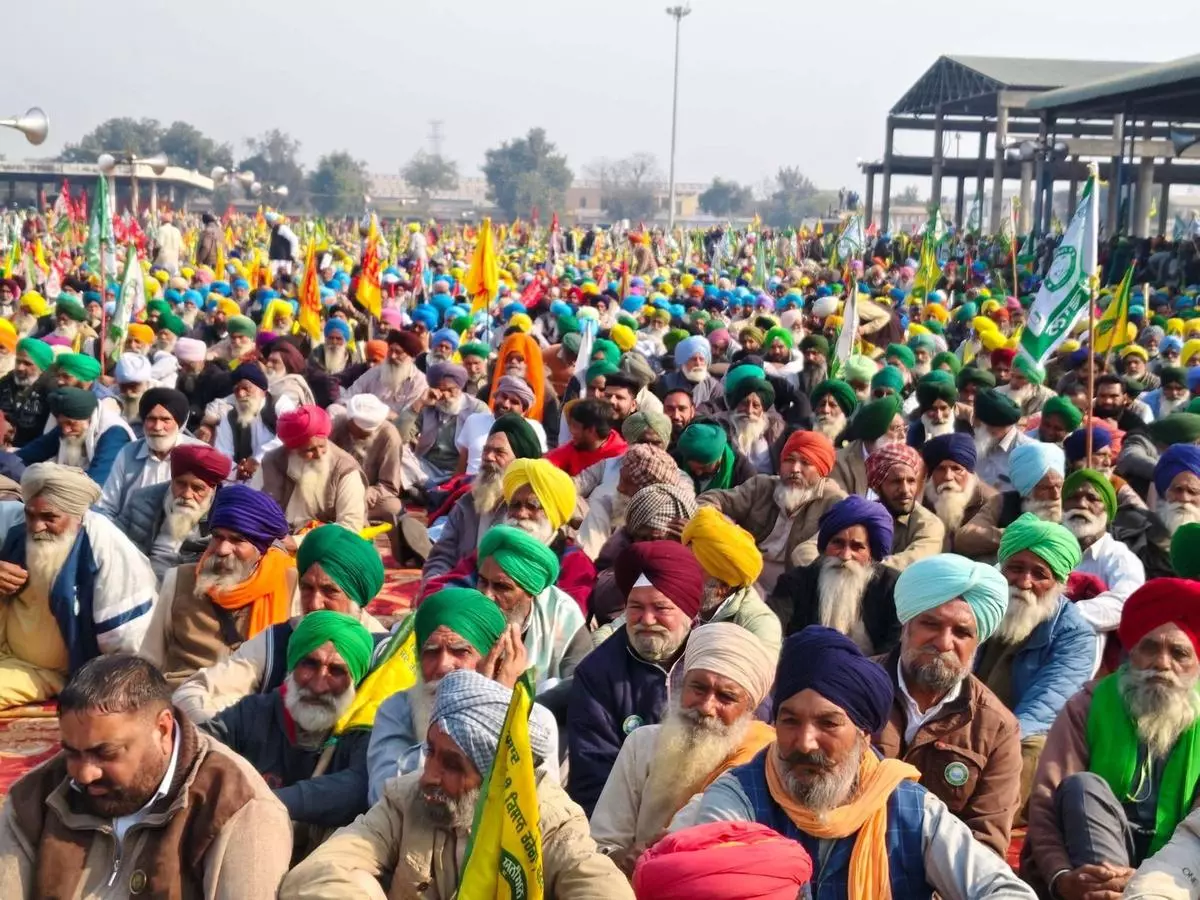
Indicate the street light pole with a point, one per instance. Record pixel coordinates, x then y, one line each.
677 13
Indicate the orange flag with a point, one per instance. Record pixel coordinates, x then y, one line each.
309 318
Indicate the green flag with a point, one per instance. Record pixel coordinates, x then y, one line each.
130 301
100 227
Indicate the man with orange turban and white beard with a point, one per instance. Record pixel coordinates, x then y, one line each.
312 479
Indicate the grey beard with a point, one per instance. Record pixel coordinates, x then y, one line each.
939 674
487 491
936 429
314 715
1161 705
180 518
1166 407
393 375
828 790
72 451
1084 525
748 431
247 410
840 589
830 426
1026 612
1173 515
1048 510
951 504
221 573
791 498
439 810
335 359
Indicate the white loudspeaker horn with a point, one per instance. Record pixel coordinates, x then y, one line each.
35 124
1181 140
219 175
157 163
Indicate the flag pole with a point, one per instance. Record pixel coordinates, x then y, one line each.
1091 374
1015 248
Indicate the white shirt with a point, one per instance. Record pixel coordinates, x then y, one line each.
912 712
1118 567
124 823
474 434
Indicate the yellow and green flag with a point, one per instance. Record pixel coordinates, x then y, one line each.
504 857
393 671
928 272
1113 328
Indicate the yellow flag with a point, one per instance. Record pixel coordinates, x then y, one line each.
482 280
928 272
1113 328
396 671
504 857
370 289
309 319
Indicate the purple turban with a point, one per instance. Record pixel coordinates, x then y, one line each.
958 448
250 513
829 663
1075 445
1178 459
438 372
856 510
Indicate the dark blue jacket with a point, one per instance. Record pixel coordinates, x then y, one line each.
614 692
108 445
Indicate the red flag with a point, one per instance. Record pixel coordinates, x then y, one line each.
533 293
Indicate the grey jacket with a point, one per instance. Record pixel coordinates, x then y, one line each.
459 537
141 518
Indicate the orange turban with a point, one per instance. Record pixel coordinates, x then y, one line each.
814 448
535 376
8 336
376 351
141 332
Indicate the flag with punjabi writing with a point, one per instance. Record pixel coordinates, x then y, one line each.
394 669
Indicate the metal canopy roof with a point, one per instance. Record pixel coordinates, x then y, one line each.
969 84
1169 90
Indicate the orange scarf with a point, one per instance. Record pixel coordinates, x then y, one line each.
757 736
865 814
266 592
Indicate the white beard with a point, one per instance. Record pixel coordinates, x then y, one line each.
69 331
248 410
162 443
920 370
1085 525
451 407
1020 395
830 426
1025 613
312 714
218 573
189 317
25 323
393 375
791 498
7 361
1166 407
44 557
182 516
936 429
487 491
538 528
748 431
72 451
984 442
949 502
695 376
840 589
1048 510
335 359
620 506
1173 515
421 697
310 477
1161 705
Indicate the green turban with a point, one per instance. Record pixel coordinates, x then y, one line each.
1065 410
567 324
780 334
173 324
241 325
1103 487
1177 428
1031 370
349 637
612 353
460 324
975 375
1047 540
521 437
841 392
817 342
72 403
38 351
600 367
745 386
1173 375
68 306
571 341
466 612
79 366
936 327
672 338
966 312
162 307
888 378
937 385
525 559
642 421
873 419
947 359
902 353
996 410
1185 551
750 333
351 561
859 368
474 348
922 342
703 443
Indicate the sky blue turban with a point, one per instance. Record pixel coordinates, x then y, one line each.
339 325
250 513
930 582
444 334
1029 463
689 347
426 315
1170 342
828 662
1177 459
856 510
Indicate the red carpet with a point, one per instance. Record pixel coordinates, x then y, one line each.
26 741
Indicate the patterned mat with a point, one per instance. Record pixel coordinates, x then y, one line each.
26 741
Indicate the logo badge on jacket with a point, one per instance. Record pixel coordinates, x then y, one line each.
957 774
631 724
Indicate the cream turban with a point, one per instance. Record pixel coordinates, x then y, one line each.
67 489
732 652
366 411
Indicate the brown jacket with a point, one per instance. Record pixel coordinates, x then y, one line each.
981 495
382 463
850 469
752 506
973 736
979 537
277 485
219 834
915 536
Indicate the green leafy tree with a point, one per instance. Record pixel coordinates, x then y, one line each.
338 184
187 146
795 198
726 198
273 158
429 172
124 135
526 172
908 197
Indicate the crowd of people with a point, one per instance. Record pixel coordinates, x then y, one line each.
800 622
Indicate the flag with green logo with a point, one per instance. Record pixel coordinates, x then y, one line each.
100 226
130 301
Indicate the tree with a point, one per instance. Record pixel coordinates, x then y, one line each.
907 197
429 172
137 136
338 185
795 198
726 198
273 160
627 186
186 146
526 172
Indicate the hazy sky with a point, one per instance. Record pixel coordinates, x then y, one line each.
763 83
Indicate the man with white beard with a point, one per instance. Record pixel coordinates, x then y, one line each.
396 381
145 462
1044 649
70 324
241 433
312 479
1171 395
88 435
953 491
692 357
1036 475
443 412
283 733
709 729
846 589
833 402
333 355
162 518
1174 502
752 418
1027 386
23 391
72 585
996 435
1116 778
937 399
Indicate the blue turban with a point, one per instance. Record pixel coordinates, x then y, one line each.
510 310
220 287
441 302
1170 342
444 334
251 372
632 304
193 297
1029 463
241 284
426 315
856 510
1176 460
250 513
172 296
959 448
828 662
338 325
1193 379
689 347
1075 445
930 582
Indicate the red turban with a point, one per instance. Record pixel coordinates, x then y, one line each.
886 458
669 566
723 861
298 427
209 465
1157 602
1003 356
814 448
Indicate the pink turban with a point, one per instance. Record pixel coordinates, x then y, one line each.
298 427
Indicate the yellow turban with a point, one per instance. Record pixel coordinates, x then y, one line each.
1192 327
937 311
521 321
1175 327
991 340
161 276
989 306
982 324
229 307
551 485
723 549
1135 350
187 272
35 303
8 336
1070 345
1190 349
623 337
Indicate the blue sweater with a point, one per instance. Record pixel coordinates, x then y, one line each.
108 445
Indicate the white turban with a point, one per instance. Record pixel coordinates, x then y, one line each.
67 489
190 350
366 411
824 307
732 652
133 368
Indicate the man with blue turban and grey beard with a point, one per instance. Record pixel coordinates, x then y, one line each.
693 356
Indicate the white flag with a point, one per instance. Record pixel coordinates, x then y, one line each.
852 240
131 299
845 341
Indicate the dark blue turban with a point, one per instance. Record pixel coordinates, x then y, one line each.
959 448
250 513
1075 444
856 510
1178 459
828 662
251 372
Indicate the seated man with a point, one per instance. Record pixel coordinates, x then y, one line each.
679 410
996 436
782 512
283 733
86 435
242 585
312 480
396 381
1118 772
875 424
241 434
338 570
593 437
167 521
896 473
752 419
693 356
195 818
704 452
23 391
445 408
622 685
1148 532
943 720
819 783
641 427
1103 461
1027 386
953 492
937 399
1059 418
436 807
640 466
145 462
846 589
72 585
732 564
512 395
374 444
1044 650
709 729
1036 478
833 402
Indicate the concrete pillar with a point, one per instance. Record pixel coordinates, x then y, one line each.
1072 197
1141 203
1114 182
935 186
886 211
959 202
869 199
12 190
1025 205
1164 200
998 164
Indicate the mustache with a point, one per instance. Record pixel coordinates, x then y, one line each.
817 759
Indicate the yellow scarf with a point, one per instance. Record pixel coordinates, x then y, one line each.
757 736
266 592
865 814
